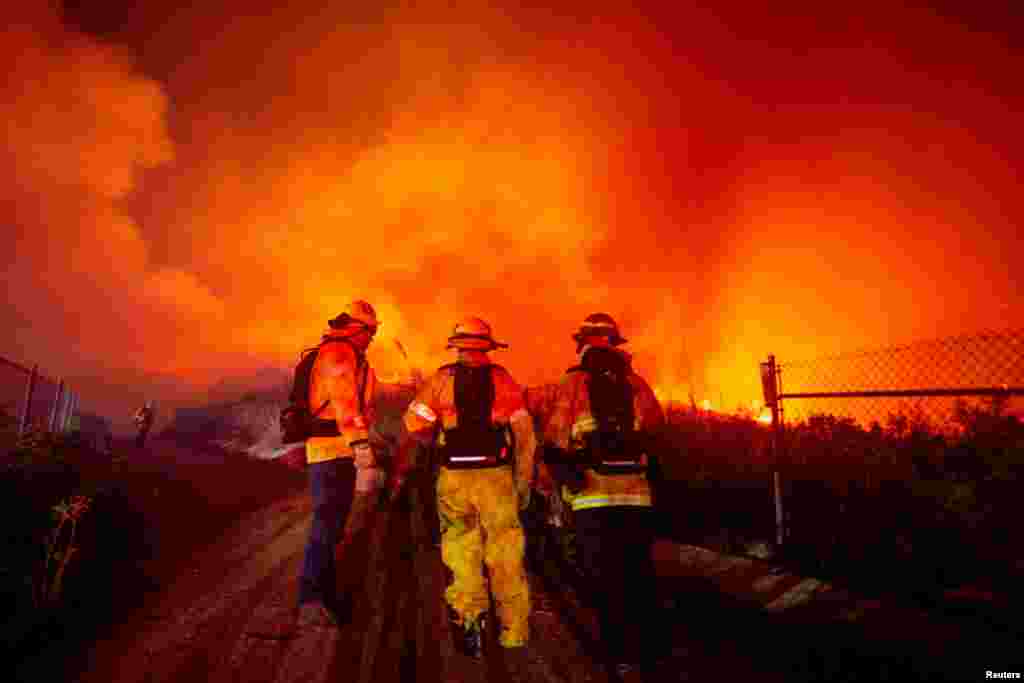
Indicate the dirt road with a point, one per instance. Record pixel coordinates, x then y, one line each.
219 620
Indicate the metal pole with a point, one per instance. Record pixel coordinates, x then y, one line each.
780 530
62 415
26 410
55 407
74 408
69 407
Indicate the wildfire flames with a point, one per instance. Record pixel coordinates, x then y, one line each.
186 213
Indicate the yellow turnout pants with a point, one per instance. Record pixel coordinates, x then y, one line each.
479 514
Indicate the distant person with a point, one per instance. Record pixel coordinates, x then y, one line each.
143 423
340 388
473 412
598 446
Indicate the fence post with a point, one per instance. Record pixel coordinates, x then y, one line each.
62 409
26 409
770 388
65 413
55 408
72 410
66 409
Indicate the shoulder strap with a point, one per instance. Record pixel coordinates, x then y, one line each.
361 379
303 374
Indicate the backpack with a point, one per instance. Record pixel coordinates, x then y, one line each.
296 420
614 446
474 442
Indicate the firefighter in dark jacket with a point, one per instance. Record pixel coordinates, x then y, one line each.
597 447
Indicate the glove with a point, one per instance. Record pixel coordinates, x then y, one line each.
380 441
362 453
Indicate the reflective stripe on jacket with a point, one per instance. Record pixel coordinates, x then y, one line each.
571 420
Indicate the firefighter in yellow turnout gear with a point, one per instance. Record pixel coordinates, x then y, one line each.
474 414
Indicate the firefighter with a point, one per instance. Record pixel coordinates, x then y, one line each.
472 412
144 417
598 447
340 387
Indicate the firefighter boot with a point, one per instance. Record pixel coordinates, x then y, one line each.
623 672
468 637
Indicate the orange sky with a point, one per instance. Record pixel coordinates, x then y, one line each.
193 193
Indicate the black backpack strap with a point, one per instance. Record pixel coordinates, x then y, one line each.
481 412
474 442
614 445
361 383
303 375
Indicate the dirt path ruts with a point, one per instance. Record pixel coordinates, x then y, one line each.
219 619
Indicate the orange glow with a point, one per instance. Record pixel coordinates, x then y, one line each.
525 168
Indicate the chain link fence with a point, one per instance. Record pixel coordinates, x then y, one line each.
29 400
922 381
903 460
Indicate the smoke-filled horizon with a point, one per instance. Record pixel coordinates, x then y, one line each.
193 193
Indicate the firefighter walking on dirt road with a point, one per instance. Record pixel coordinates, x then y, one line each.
473 412
598 447
340 383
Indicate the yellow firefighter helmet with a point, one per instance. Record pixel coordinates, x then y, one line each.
473 333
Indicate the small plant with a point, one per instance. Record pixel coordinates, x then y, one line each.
60 549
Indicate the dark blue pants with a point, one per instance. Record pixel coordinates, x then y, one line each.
615 554
332 485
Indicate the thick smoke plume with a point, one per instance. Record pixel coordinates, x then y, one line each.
197 193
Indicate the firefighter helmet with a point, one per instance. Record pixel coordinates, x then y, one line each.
598 325
359 313
473 333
